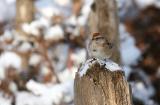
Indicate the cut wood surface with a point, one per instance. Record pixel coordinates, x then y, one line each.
100 86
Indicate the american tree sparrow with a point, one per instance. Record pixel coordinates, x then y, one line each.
99 47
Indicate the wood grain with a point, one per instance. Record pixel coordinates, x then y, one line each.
101 87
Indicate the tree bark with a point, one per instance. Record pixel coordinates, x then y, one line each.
104 19
101 87
24 11
24 14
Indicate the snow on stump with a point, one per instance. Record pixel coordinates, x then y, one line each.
101 82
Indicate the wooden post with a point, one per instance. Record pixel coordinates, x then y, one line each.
100 86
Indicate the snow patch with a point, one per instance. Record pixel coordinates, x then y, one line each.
145 3
45 70
8 59
51 93
5 100
24 47
51 11
79 56
13 87
35 59
62 2
109 65
2 73
30 99
127 71
129 52
54 33
7 35
142 92
34 28
67 74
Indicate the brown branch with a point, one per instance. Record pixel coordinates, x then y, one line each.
44 52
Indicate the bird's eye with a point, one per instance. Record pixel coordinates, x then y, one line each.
110 45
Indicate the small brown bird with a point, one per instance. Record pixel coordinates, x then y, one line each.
99 47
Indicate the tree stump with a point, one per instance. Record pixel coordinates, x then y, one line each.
101 83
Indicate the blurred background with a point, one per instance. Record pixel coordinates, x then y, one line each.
43 42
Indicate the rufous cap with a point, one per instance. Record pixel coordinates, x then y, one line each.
96 34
